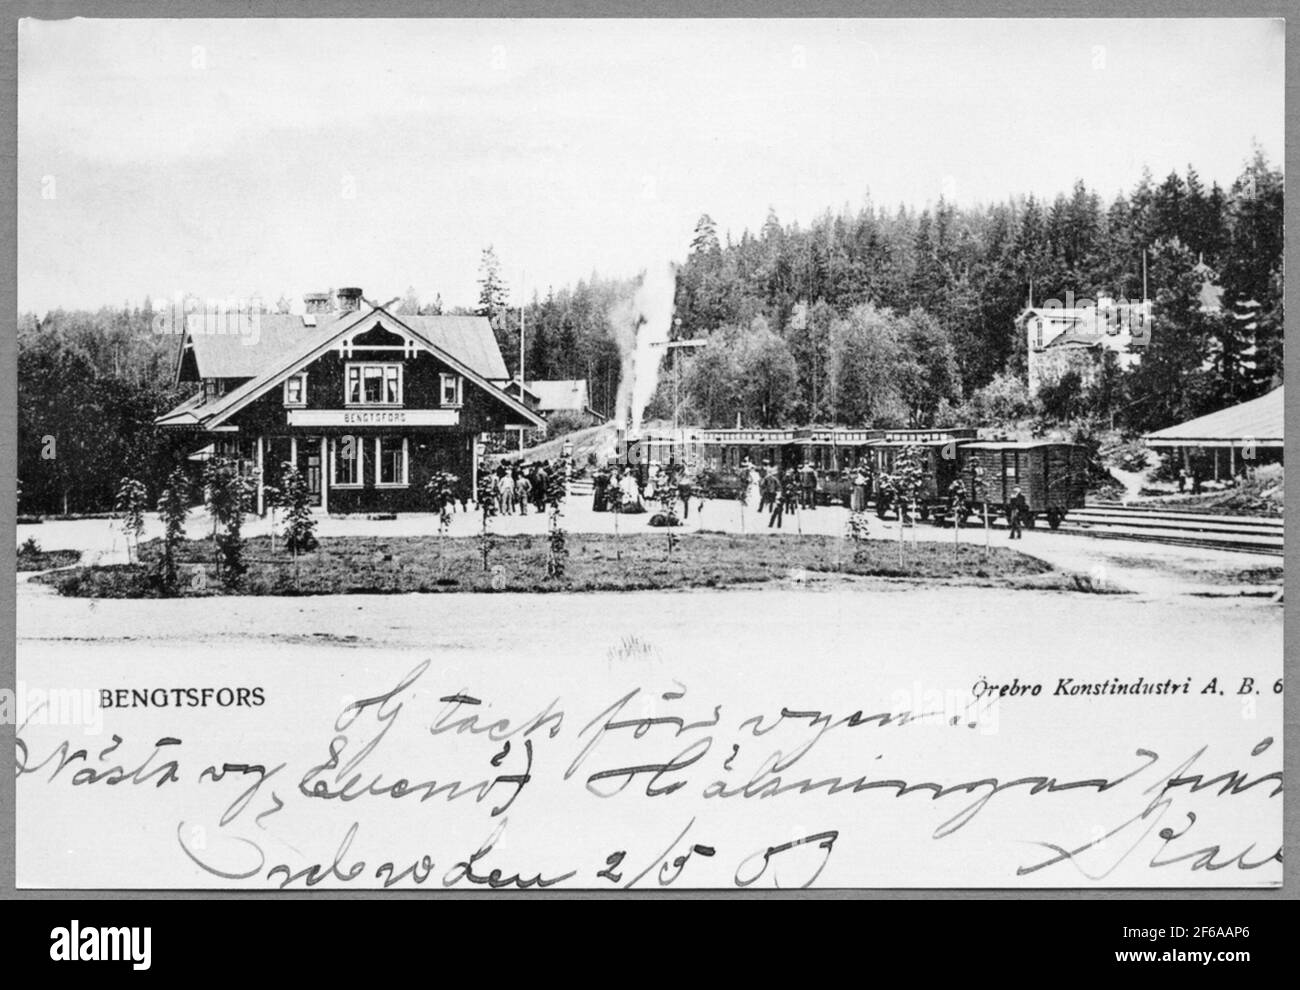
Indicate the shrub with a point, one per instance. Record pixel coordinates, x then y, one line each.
441 489
557 550
560 423
300 524
1003 400
173 507
487 507
132 501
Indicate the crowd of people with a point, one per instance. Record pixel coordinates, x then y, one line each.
520 485
621 486
780 492
776 492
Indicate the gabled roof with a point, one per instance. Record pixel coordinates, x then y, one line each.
567 395
1078 337
186 414
1258 420
456 340
515 385
469 339
228 355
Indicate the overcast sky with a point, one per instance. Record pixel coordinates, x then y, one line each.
228 158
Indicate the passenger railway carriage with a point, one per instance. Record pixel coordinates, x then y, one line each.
1051 476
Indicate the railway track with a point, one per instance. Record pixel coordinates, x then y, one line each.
1177 527
1174 526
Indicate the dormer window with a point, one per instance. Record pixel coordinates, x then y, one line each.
295 390
373 384
452 390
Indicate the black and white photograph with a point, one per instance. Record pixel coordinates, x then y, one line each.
648 455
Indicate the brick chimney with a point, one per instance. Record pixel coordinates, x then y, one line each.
318 303
349 300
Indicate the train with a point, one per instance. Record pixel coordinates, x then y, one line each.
1051 475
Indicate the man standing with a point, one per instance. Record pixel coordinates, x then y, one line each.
506 493
767 491
1018 511
771 496
790 491
523 493
808 479
538 482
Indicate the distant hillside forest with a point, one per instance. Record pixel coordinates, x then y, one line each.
868 317
894 318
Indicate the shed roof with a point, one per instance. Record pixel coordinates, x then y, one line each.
1257 420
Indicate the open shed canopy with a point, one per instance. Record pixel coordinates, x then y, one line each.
1258 421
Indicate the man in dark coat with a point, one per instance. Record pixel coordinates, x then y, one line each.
769 487
808 483
599 488
1018 512
790 490
771 490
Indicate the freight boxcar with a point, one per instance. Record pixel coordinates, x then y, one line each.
1053 477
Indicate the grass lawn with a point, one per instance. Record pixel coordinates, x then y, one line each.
361 565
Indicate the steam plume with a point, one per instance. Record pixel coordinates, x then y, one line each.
640 324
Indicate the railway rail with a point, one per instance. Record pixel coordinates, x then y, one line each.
1178 526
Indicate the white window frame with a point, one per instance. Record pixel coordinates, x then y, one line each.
336 459
458 388
361 367
302 377
379 464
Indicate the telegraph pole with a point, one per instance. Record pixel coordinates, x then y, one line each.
676 345
522 400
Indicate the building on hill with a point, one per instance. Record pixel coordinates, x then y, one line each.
1060 339
571 397
548 399
366 404
1075 336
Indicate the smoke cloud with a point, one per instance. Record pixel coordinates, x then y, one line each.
641 324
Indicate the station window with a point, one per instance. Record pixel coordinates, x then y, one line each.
373 385
295 390
390 455
345 454
451 389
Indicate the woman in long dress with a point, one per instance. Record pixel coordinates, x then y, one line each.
859 497
631 494
752 496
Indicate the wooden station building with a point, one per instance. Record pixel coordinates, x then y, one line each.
367 404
